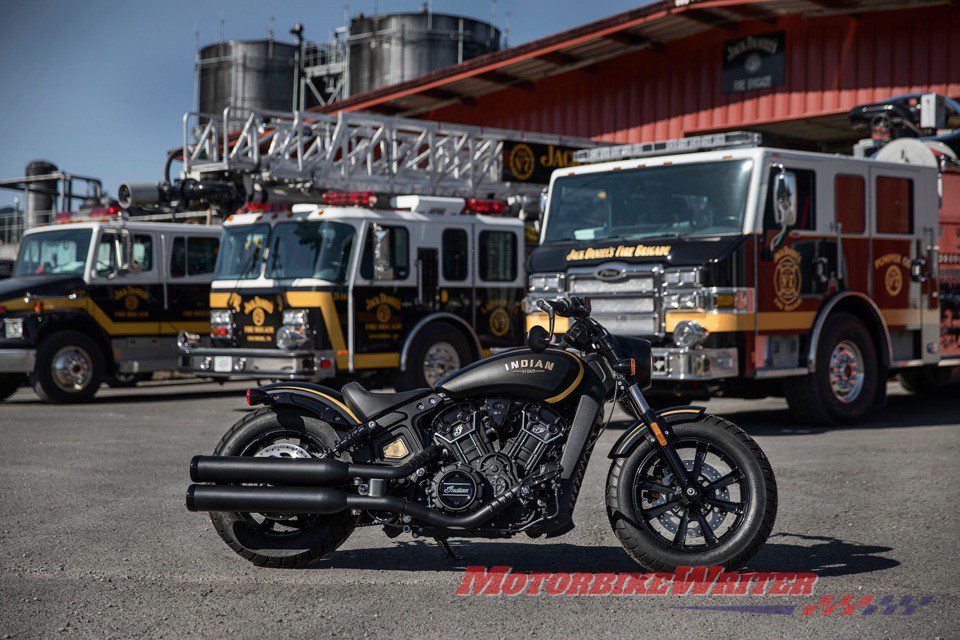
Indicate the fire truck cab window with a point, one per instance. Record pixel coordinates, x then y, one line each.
498 256
894 205
242 251
142 254
310 250
106 258
850 203
806 200
193 256
53 253
456 254
393 245
689 199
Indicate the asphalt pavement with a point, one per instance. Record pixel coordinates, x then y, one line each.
95 540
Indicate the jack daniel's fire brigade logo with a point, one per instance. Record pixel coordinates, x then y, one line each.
257 309
786 279
132 297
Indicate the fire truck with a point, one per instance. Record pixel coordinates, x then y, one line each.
368 246
760 271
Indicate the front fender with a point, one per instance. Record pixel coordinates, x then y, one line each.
633 436
320 401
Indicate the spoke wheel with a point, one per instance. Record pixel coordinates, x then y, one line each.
696 524
846 371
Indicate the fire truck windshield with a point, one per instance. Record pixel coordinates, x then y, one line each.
310 250
241 251
53 253
696 199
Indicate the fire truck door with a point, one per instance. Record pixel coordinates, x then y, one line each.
427 279
897 245
849 227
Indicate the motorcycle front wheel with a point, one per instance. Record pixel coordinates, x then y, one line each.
277 539
726 527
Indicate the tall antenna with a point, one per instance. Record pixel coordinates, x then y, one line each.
493 12
222 21
506 32
270 27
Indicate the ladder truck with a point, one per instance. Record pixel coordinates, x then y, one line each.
356 245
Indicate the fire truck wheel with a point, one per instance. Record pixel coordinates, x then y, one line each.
9 385
844 388
69 368
436 352
924 380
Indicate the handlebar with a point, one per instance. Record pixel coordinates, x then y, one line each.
566 306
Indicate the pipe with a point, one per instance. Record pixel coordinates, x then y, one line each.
326 500
300 471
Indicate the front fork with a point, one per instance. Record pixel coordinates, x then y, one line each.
662 438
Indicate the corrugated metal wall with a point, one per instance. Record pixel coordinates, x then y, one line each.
833 64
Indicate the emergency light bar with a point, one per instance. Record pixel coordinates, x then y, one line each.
706 142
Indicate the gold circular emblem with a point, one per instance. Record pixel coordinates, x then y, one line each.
258 317
786 281
522 161
893 280
131 303
383 313
499 322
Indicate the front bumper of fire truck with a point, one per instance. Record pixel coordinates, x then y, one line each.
699 363
215 362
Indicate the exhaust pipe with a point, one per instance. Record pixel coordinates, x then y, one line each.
326 500
306 472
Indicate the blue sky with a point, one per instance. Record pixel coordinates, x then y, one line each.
99 87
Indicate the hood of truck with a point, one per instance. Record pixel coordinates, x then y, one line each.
39 286
670 252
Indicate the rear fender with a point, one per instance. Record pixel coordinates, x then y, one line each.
635 435
321 402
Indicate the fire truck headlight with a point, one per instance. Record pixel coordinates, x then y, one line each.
546 282
221 323
681 277
13 327
687 300
296 316
291 336
689 334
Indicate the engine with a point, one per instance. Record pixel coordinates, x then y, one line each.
494 444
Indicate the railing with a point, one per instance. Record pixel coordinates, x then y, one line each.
13 224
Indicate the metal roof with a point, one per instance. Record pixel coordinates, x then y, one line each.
650 27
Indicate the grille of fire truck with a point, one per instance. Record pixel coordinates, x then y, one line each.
357 151
630 303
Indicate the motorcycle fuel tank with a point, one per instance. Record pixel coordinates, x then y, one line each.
520 373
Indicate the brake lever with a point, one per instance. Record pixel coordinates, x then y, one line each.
543 305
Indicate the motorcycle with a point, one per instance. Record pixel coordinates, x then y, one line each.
496 449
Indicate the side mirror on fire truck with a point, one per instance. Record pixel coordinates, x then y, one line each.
784 195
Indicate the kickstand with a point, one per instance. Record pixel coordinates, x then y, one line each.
447 549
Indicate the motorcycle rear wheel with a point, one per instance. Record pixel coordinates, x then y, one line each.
279 540
726 529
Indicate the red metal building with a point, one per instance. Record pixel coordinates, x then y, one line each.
658 72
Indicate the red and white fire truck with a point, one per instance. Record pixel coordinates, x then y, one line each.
760 271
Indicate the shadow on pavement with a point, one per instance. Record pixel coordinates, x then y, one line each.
783 552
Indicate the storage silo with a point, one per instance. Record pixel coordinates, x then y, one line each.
391 48
41 195
246 74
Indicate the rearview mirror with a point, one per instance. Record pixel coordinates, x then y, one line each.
784 194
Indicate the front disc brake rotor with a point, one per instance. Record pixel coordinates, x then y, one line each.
715 517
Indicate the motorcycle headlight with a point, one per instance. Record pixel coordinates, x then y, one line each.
296 316
689 334
546 282
13 327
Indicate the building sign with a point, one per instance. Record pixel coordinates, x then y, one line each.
754 62
532 162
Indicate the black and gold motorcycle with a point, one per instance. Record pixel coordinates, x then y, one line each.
496 449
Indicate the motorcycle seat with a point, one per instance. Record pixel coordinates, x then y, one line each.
369 405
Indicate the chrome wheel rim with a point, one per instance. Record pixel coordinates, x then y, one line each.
440 361
72 369
846 371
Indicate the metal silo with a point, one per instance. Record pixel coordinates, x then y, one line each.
247 74
41 195
391 48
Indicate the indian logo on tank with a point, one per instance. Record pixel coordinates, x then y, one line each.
528 365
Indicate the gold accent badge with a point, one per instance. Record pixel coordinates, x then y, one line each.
787 279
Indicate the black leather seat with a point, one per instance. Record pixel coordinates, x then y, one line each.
369 405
